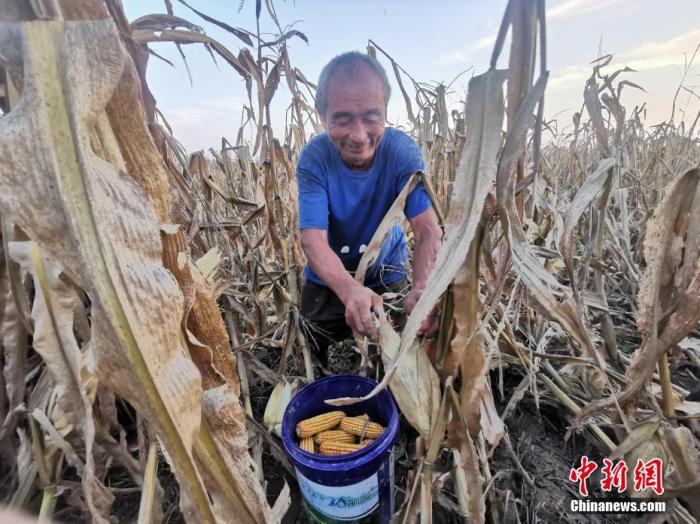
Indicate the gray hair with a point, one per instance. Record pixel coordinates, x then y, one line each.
348 63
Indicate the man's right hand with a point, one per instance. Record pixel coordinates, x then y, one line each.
360 302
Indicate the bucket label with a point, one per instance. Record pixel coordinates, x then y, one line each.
341 502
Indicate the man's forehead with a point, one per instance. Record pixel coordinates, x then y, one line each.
359 75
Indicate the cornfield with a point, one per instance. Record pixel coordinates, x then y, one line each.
149 298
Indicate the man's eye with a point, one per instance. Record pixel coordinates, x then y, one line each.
341 121
372 120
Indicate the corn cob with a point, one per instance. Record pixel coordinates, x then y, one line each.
307 444
313 425
361 426
366 442
336 435
330 447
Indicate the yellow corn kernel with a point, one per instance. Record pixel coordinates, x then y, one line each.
307 444
366 442
361 426
313 425
330 447
336 435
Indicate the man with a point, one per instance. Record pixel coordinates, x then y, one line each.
348 177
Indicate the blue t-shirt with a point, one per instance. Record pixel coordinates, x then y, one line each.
350 205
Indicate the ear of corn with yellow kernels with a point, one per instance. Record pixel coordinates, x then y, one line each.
330 447
362 427
336 435
321 434
307 444
319 423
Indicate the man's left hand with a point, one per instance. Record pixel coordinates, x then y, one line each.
431 325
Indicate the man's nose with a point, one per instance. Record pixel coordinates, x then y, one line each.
358 133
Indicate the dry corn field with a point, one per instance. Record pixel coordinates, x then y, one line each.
150 335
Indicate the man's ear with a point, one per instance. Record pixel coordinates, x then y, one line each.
322 119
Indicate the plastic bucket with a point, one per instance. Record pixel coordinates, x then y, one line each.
359 486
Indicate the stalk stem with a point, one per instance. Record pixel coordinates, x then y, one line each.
666 387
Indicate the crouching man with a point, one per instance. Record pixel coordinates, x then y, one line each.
348 178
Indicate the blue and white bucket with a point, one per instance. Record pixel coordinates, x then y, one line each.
357 487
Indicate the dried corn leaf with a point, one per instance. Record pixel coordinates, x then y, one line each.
491 423
208 340
637 436
136 155
26 472
16 276
467 350
416 385
241 34
676 219
209 263
685 454
392 217
5 296
13 339
688 407
469 479
669 293
99 227
52 315
651 448
226 422
586 194
180 36
160 21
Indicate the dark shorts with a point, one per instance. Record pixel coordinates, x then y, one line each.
324 315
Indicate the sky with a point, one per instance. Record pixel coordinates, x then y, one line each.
433 41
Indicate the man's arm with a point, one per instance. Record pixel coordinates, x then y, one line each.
427 237
359 301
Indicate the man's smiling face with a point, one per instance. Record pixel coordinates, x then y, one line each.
355 116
